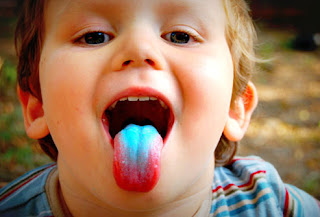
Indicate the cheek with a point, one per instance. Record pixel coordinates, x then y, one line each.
206 84
68 83
62 84
66 89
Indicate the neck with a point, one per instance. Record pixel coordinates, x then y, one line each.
195 205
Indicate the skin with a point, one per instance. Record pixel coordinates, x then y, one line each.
78 81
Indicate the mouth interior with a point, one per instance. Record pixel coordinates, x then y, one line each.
140 113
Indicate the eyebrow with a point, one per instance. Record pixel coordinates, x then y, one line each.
176 8
108 9
111 8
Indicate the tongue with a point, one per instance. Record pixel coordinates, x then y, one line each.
136 160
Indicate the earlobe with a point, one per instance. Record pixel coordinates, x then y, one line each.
240 115
33 114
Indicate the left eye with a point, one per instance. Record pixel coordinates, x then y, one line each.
93 38
178 37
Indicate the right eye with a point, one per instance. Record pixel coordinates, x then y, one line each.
94 38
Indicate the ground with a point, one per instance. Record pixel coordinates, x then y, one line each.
285 129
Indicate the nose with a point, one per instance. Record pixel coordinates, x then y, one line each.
137 48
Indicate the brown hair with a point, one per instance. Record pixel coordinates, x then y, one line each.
240 35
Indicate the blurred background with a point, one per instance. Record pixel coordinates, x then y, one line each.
285 129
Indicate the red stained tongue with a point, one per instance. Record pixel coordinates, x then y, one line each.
136 161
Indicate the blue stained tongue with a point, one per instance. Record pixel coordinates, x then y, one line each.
136 162
137 141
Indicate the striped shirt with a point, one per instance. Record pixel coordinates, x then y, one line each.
252 187
247 187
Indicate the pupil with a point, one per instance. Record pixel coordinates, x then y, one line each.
95 38
179 37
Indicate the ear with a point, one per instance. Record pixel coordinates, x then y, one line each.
34 120
240 115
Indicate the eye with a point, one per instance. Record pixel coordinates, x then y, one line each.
183 37
178 37
94 38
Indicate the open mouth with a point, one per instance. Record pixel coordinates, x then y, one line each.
139 110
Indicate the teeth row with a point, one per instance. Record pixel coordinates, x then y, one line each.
139 98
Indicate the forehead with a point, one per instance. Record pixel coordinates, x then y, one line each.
117 10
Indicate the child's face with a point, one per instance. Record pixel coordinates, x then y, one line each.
173 50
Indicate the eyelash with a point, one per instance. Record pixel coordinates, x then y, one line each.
167 36
79 39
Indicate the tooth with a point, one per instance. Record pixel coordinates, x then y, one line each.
113 105
143 98
123 99
163 104
133 98
153 98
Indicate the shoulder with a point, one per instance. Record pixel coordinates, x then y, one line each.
26 195
251 186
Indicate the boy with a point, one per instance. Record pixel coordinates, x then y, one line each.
139 103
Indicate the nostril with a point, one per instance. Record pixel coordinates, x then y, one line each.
147 61
126 62
150 62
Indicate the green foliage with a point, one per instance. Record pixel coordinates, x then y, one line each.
9 73
8 79
21 155
7 25
312 185
17 152
11 124
266 50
